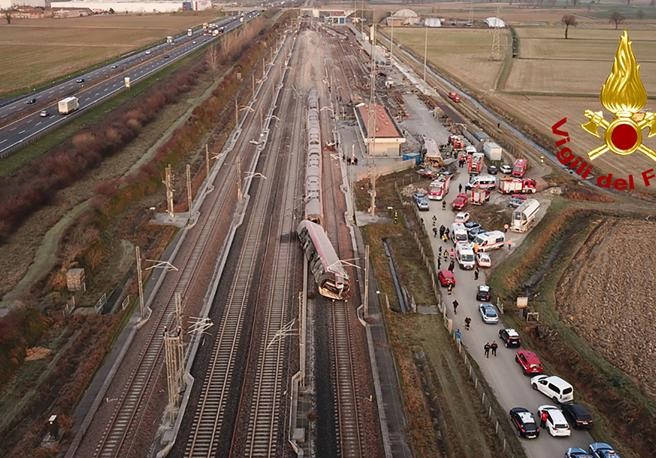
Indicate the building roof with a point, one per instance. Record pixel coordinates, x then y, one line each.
495 22
405 13
385 127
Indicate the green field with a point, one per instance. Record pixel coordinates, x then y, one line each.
34 52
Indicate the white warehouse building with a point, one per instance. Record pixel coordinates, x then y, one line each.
162 6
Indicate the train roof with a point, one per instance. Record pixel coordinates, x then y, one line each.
324 247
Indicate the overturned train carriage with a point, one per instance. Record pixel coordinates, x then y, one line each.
329 274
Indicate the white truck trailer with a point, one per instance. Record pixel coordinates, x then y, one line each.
524 215
169 40
68 105
190 32
492 151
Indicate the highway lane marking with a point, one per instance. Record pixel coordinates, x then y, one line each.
21 132
3 141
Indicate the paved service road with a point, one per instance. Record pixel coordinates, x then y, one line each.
19 121
502 373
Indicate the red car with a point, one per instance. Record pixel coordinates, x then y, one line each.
459 202
446 278
529 362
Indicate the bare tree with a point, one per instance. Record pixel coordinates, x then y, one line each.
616 18
8 16
575 3
640 14
568 19
213 58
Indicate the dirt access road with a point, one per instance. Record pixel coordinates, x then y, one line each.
502 373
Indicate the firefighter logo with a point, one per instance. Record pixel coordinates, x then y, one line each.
624 95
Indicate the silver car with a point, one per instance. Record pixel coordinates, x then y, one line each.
488 313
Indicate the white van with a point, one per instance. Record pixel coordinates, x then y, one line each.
553 387
459 233
465 255
490 240
482 182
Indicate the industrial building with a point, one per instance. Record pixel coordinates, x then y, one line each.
403 17
161 6
388 138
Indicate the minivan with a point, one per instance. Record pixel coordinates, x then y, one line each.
489 240
459 232
553 387
482 182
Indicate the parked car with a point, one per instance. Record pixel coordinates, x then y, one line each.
462 217
554 387
460 202
418 195
426 173
575 452
447 172
80 80
506 169
524 422
578 416
483 293
602 450
446 278
492 169
470 224
488 313
473 232
509 337
514 202
556 423
31 101
483 259
529 362
44 113
422 204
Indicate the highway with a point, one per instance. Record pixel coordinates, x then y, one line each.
21 122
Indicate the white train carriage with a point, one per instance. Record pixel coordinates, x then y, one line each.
313 208
313 99
327 270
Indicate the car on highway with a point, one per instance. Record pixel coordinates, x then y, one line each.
578 416
483 293
193 42
31 101
166 56
524 422
556 423
575 452
422 204
446 278
80 80
462 217
492 169
44 113
483 259
509 337
488 313
148 53
114 66
506 169
460 202
553 387
529 362
602 450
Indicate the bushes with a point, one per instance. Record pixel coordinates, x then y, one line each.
20 329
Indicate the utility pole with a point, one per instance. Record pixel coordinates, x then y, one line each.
302 336
495 52
239 191
174 354
189 188
425 49
372 193
168 182
253 81
207 160
471 13
392 42
366 281
140 282
236 112
371 112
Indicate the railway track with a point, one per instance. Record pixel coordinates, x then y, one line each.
116 438
209 420
347 398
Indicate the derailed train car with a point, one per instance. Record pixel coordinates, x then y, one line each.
329 274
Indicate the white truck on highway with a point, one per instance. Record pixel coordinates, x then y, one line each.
190 32
169 40
68 105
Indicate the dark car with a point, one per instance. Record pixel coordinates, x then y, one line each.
524 422
575 452
577 416
469 225
492 169
31 101
472 233
166 56
509 337
602 450
483 293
